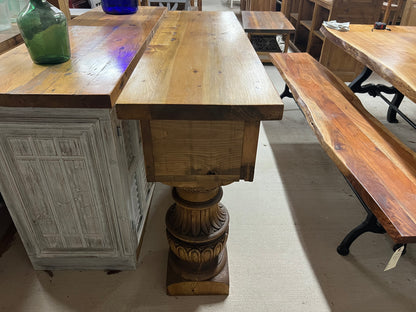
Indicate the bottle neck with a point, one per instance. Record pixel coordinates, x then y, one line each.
37 2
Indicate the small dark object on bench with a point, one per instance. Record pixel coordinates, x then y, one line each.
380 25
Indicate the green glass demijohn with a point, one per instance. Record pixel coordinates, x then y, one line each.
45 32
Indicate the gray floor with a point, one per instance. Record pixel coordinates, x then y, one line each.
284 230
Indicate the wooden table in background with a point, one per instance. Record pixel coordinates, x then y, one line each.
10 38
200 92
390 54
270 24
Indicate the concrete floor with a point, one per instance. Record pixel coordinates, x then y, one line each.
284 230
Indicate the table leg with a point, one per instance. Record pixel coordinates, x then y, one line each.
286 38
376 90
197 230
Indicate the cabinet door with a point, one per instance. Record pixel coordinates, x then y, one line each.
140 190
56 175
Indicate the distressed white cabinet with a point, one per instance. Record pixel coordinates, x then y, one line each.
74 183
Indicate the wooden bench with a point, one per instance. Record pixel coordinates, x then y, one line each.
378 166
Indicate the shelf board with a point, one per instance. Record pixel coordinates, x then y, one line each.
318 34
325 3
295 16
307 24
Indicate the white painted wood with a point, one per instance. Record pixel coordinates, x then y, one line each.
74 183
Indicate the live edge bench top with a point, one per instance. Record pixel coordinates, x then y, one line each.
377 164
199 66
105 49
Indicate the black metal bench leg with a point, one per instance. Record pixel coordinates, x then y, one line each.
370 224
394 107
286 92
397 246
377 90
356 85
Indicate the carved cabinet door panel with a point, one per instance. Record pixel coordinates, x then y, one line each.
140 190
58 171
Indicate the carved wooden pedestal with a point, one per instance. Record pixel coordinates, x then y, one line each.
197 230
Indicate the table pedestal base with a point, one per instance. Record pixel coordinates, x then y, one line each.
197 231
178 286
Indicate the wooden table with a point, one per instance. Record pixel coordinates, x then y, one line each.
391 54
267 24
200 92
70 171
10 38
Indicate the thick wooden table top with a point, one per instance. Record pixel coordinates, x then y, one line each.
199 66
266 21
105 49
10 38
391 54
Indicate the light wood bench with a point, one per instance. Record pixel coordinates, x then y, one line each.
378 166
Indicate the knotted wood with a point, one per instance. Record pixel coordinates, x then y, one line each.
377 164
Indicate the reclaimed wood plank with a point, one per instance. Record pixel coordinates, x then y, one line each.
103 56
199 66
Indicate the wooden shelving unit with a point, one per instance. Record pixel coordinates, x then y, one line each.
307 17
258 5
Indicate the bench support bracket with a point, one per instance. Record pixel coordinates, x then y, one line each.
370 224
286 92
376 90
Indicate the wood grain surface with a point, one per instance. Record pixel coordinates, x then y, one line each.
266 21
10 38
379 166
391 54
105 49
199 66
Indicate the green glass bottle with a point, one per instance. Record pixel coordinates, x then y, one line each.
45 32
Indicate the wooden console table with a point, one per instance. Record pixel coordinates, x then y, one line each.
71 173
262 26
200 92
